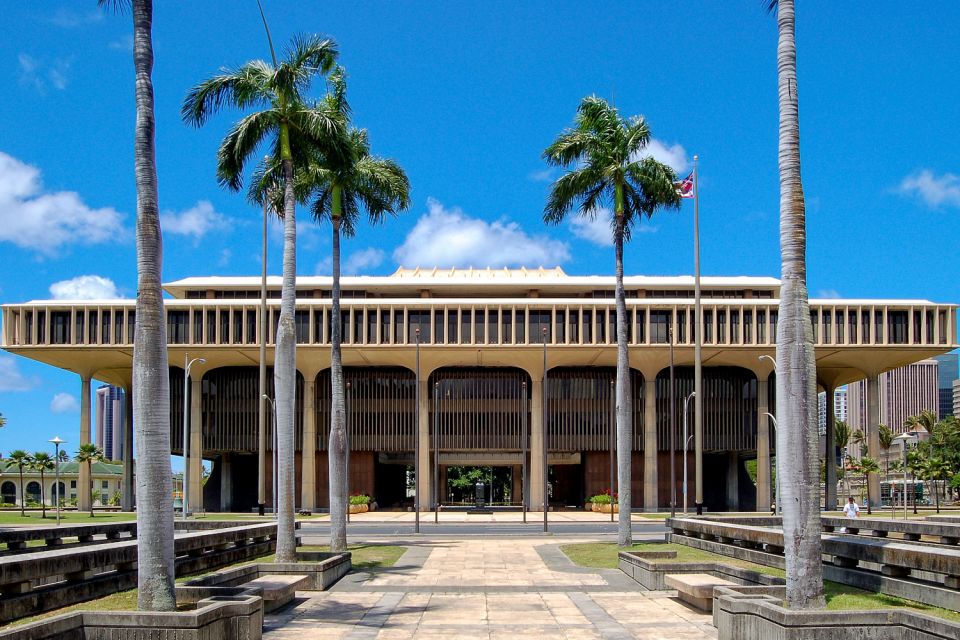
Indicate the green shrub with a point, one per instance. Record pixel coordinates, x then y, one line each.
603 498
360 499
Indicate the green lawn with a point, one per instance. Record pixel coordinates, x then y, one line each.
34 519
840 597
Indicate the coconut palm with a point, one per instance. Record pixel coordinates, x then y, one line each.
925 420
866 466
22 459
42 462
605 155
344 187
841 435
151 384
885 438
88 454
3 421
796 366
937 469
859 438
292 129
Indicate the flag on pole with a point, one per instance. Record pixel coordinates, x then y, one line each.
685 187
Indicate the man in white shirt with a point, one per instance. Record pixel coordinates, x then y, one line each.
851 510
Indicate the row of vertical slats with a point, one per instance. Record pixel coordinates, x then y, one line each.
381 408
480 409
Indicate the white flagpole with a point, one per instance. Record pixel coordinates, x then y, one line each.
698 343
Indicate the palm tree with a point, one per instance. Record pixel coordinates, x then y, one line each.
42 461
859 438
22 459
936 468
796 366
604 153
841 435
866 466
885 435
3 421
925 420
151 385
88 454
293 129
344 186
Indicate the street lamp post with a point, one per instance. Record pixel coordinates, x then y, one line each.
273 475
416 454
904 439
673 436
686 445
543 416
776 497
56 461
187 364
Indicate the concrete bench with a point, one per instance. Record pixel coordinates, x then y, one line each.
946 533
277 590
696 588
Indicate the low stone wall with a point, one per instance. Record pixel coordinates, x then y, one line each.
218 617
755 613
16 538
650 568
324 570
33 583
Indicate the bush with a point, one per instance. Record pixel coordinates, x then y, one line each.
603 498
360 499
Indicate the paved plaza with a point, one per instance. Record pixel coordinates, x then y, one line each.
488 587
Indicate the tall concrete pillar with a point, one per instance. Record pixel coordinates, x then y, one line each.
536 446
226 483
829 454
83 483
424 479
763 445
873 432
733 481
195 461
127 499
650 480
308 452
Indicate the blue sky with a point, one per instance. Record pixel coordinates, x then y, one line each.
465 96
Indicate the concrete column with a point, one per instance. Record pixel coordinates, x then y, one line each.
196 445
424 483
83 482
536 445
763 445
308 467
873 433
127 499
226 483
733 481
829 453
650 479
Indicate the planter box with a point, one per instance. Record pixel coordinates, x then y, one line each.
605 508
755 613
641 566
359 508
222 617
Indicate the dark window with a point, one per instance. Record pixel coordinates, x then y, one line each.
574 324
211 327
131 325
641 326
466 320
358 326
318 325
721 326
918 327
814 323
251 327
385 326
747 327
60 327
479 317
852 326
660 327
452 326
78 329
104 326
708 326
493 327
839 318
197 327
224 326
92 325
897 327
371 326
418 320
735 326
539 321
878 325
601 326
560 320
177 327
506 327
761 327
302 321
521 326
865 326
438 327
397 326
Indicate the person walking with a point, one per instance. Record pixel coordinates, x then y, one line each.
851 510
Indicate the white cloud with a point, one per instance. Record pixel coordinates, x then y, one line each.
11 379
362 260
448 237
829 294
197 221
545 175
70 19
672 155
84 288
40 74
225 256
324 266
596 230
935 191
45 222
123 43
64 403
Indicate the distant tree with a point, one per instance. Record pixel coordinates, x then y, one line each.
88 454
841 436
42 461
866 466
885 435
22 459
3 421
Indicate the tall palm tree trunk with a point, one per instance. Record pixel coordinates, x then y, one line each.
90 493
796 367
23 495
43 496
623 399
285 370
337 448
151 392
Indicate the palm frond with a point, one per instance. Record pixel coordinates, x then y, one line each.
570 190
240 143
240 88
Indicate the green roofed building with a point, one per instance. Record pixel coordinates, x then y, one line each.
104 476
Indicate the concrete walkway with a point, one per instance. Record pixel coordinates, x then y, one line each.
488 588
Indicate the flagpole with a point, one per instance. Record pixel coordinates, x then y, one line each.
698 343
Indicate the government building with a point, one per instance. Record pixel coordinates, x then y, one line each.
482 342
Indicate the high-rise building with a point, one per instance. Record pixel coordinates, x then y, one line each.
110 408
839 407
948 372
904 392
956 397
